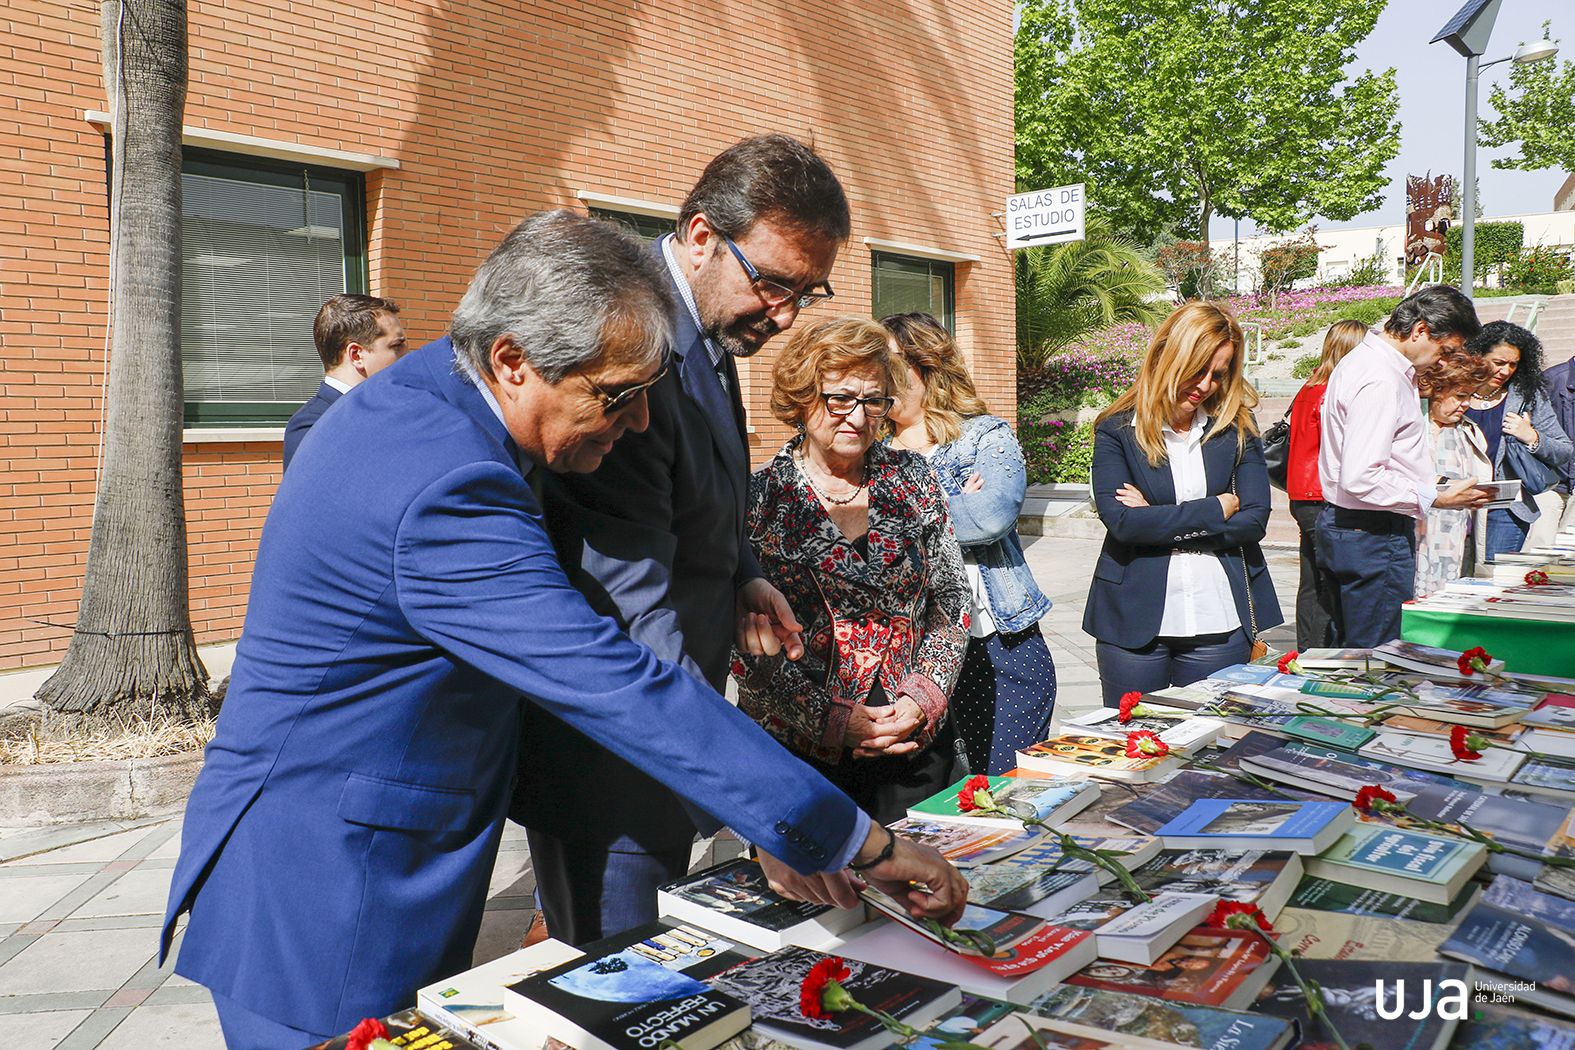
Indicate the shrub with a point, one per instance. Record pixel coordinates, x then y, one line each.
1058 452
1374 269
1493 244
1189 267
1540 269
1304 365
1072 379
1286 262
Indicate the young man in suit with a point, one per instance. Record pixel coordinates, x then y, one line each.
357 336
338 842
654 538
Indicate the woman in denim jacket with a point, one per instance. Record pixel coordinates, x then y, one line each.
1005 696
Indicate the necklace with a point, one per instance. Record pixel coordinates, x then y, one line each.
803 469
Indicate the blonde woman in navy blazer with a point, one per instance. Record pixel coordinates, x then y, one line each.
1180 484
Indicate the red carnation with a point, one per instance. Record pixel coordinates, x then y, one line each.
821 995
1473 660
1288 664
1463 743
1536 578
968 797
361 1035
1129 701
1224 916
1370 794
1144 744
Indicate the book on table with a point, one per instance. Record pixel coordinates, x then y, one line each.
734 900
1526 935
1100 1012
1419 726
1265 878
1495 1028
1324 895
1427 659
1162 803
968 844
770 986
414 1029
1309 933
1031 1032
1077 755
628 992
473 1002
1209 967
1140 932
1283 824
1526 824
1038 881
1350 989
1050 799
1497 765
1334 659
1416 864
1182 731
1336 773
1552 779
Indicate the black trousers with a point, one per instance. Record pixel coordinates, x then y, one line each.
1166 662
1314 618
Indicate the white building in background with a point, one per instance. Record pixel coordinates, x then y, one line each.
1343 250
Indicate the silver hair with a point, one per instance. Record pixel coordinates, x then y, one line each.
557 285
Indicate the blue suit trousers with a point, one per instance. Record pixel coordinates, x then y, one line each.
1370 576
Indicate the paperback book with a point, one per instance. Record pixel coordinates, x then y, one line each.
1521 823
1093 756
1427 660
1027 1032
1207 967
1144 932
1051 799
1494 1028
1546 778
734 900
628 991
1180 732
1312 934
1351 991
1300 827
1334 659
1161 803
1526 935
1431 753
966 844
770 986
1324 895
1428 867
414 1030
1261 877
473 1002
1040 882
1330 771
1327 731
1099 1011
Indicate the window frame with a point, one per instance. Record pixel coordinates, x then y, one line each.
948 316
635 222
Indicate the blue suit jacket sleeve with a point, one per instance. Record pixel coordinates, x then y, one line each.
1154 526
478 577
987 515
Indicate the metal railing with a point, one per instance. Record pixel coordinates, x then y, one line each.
1430 272
1533 313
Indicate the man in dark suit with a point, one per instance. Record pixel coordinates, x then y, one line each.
338 843
357 336
655 537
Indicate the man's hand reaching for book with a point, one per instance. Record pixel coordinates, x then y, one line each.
914 874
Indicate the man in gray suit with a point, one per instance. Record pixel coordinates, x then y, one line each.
655 539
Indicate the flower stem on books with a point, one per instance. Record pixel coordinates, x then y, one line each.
1239 915
1375 799
821 995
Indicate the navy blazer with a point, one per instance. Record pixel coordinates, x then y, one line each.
1560 384
653 538
304 418
1126 600
338 843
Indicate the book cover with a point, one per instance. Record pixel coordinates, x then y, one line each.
1431 867
1022 943
1026 880
1262 877
1208 967
1434 727
473 1001
737 889
1181 733
1092 756
1326 895
1495 1028
1041 798
1522 823
1426 659
629 991
1560 881
1433 753
1334 659
771 983
1163 802
965 844
1510 931
963 1023
1026 1032
1312 934
1178 1024
1302 827
1330 771
1559 743
415 1030
1351 994
1545 776
1327 731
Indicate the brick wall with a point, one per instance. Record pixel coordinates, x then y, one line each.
492 111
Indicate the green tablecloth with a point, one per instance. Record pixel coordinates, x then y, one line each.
1531 646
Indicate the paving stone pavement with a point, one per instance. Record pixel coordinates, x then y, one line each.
80 906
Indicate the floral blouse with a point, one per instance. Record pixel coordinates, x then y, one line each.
898 616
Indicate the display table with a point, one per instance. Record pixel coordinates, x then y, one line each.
1529 646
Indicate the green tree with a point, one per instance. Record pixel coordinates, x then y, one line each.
1536 114
1065 291
1174 111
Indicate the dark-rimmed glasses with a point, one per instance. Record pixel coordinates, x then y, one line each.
613 402
775 293
844 404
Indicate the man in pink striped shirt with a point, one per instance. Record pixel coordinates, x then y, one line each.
1376 465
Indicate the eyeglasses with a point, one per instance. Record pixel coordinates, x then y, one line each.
844 404
613 402
776 293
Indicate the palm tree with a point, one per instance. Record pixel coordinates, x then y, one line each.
132 654
1065 291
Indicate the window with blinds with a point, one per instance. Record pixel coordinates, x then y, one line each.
646 227
265 244
901 284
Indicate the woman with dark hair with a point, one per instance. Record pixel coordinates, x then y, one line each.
1181 588
1444 552
856 536
1513 407
1006 694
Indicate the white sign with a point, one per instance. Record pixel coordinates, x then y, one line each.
1045 217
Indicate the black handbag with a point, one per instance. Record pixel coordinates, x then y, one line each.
1277 450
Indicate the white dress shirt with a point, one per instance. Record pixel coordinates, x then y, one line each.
1198 598
1373 449
338 384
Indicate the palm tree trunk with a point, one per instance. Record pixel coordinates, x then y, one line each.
133 653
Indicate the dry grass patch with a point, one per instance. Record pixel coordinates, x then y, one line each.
54 739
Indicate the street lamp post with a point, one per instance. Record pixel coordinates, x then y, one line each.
1468 34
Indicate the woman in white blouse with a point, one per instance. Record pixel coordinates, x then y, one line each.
1180 589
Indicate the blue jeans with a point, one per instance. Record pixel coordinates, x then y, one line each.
1371 573
1505 533
1166 662
587 891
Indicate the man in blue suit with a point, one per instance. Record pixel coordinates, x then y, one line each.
338 842
357 336
655 536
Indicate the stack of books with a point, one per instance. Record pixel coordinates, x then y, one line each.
1251 806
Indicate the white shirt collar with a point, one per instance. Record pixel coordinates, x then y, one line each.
681 282
338 384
